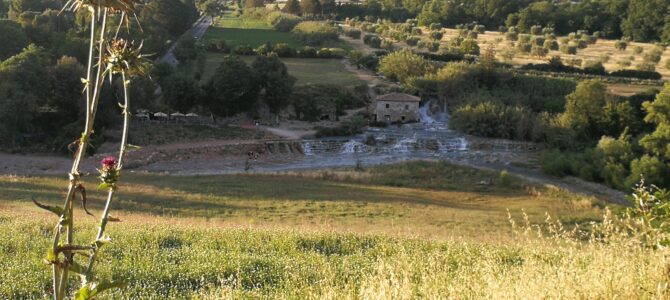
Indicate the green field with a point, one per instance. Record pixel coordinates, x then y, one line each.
242 31
413 230
305 70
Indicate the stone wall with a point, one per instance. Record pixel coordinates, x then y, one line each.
394 111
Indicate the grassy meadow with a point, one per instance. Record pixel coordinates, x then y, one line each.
412 230
244 31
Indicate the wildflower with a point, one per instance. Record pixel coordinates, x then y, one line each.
109 173
109 162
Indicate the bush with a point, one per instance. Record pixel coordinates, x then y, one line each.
469 46
244 50
523 47
537 41
372 40
621 45
416 31
594 67
524 38
646 66
480 29
283 50
638 50
315 33
491 119
512 36
412 40
353 33
282 22
429 45
568 49
502 29
308 52
436 35
581 44
653 56
435 26
575 62
473 35
551 45
667 63
548 31
538 51
536 30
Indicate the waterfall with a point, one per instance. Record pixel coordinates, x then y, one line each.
307 149
404 145
352 146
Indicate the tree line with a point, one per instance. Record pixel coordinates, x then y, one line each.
640 20
43 52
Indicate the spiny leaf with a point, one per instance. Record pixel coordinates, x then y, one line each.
84 293
51 256
103 186
82 192
131 147
54 209
106 285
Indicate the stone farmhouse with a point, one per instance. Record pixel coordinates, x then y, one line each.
397 107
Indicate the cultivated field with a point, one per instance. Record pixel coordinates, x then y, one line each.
421 229
603 51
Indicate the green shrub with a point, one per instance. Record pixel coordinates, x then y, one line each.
523 47
435 26
283 50
416 31
568 49
480 29
538 51
646 66
436 35
536 30
551 45
492 119
315 33
282 22
621 45
372 40
537 41
512 36
412 40
353 33
638 50
524 38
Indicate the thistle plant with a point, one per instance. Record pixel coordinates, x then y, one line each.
117 57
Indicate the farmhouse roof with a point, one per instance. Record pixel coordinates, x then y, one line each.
398 97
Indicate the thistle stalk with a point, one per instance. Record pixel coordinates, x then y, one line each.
60 270
119 166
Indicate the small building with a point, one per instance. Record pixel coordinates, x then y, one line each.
397 107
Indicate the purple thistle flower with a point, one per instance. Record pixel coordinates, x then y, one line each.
109 162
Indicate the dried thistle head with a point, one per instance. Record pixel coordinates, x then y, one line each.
124 57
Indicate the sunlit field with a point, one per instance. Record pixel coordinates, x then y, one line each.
414 230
